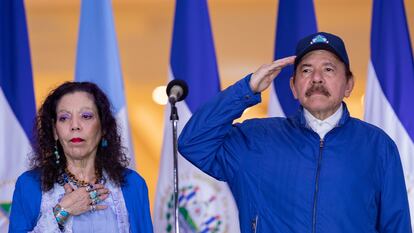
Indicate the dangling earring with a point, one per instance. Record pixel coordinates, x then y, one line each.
56 152
104 143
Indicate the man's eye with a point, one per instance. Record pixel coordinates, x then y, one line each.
329 69
306 70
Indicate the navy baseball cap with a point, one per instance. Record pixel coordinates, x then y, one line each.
321 41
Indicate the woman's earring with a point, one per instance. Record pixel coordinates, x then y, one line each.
104 143
56 152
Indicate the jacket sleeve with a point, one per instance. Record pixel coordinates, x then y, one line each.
26 203
136 199
145 217
394 214
209 140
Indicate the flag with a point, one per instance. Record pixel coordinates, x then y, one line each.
98 61
390 83
17 102
296 19
205 204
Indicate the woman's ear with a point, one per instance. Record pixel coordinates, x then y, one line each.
55 135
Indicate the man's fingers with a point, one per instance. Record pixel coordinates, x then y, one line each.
263 77
281 63
274 68
285 61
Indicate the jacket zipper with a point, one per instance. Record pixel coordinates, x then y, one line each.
315 196
255 221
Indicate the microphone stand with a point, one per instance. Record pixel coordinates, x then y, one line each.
176 90
174 120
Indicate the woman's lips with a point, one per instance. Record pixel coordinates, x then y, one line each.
76 140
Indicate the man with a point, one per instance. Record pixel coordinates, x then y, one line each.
319 171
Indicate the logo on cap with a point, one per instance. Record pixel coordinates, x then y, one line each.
319 39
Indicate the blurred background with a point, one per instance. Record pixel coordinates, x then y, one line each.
244 34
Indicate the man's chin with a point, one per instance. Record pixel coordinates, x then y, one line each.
317 100
316 104
318 95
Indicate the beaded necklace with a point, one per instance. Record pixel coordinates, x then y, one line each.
81 183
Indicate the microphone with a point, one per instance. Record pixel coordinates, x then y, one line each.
177 90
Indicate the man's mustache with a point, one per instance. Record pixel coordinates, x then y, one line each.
317 89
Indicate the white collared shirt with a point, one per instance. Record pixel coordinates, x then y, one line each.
322 127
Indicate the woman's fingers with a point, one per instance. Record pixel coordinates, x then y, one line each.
68 188
103 191
100 189
101 207
98 186
98 195
103 196
97 207
82 199
98 192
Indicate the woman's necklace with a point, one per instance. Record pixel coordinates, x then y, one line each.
81 183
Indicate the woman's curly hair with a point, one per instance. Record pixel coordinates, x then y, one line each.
111 158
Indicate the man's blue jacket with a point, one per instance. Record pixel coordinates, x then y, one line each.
28 195
285 179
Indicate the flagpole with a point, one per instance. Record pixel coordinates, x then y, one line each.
293 23
17 101
199 69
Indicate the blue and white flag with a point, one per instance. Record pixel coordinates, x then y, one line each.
389 89
206 205
17 104
98 61
295 20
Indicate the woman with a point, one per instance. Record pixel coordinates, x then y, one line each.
79 181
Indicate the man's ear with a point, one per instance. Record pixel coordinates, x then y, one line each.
349 86
292 87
